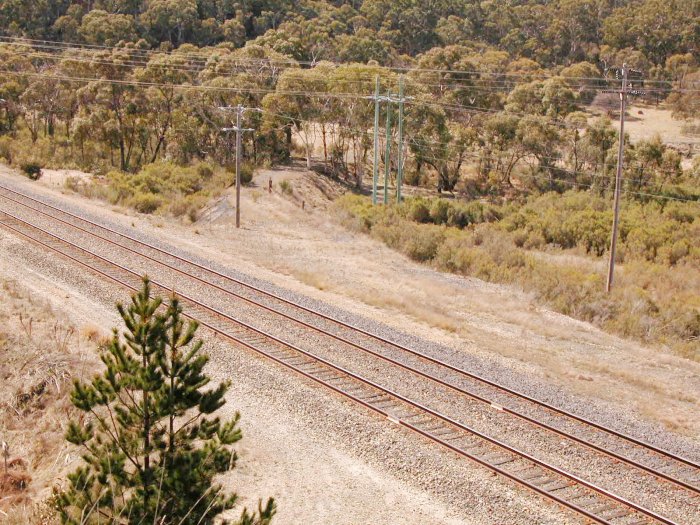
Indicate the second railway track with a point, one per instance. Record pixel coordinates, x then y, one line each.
546 479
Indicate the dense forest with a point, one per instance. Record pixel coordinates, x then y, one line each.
646 32
125 83
499 107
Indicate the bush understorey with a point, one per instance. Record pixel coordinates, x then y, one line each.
554 246
163 187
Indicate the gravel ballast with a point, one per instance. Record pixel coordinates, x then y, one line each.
414 460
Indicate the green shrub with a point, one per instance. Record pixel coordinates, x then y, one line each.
146 202
31 169
205 171
439 211
286 187
418 211
420 242
534 241
73 183
246 173
188 206
6 148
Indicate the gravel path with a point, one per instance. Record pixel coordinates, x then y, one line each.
437 471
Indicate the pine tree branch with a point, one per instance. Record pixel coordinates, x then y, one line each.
116 440
188 423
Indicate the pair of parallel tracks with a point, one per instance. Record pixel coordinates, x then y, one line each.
568 490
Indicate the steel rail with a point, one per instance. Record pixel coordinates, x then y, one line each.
597 448
421 355
521 455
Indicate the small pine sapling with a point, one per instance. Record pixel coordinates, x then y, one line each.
151 443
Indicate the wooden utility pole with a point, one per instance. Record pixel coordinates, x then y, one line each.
239 109
618 179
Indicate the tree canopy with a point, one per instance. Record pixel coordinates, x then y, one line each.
559 32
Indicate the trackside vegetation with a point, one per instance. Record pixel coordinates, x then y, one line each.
552 246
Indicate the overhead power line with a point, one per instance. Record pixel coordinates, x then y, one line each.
205 54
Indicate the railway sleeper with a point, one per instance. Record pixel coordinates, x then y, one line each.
445 431
561 485
312 367
535 478
586 496
417 418
354 390
545 481
477 451
431 425
603 507
455 436
525 465
503 460
258 342
374 397
618 512
327 375
278 353
333 377
295 361
436 431
405 413
384 403
555 483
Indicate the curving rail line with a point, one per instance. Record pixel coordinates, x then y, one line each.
680 462
546 479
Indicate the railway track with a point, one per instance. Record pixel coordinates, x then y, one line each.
566 489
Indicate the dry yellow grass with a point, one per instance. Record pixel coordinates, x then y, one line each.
41 351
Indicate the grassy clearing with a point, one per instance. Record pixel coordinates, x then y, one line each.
554 246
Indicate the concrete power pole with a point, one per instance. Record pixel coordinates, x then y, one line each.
389 99
376 143
239 109
399 172
387 158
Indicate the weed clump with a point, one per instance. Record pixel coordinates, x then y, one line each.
31 169
286 187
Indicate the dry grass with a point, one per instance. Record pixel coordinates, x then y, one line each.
312 279
41 352
431 315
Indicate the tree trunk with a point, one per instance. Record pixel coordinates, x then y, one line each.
308 155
